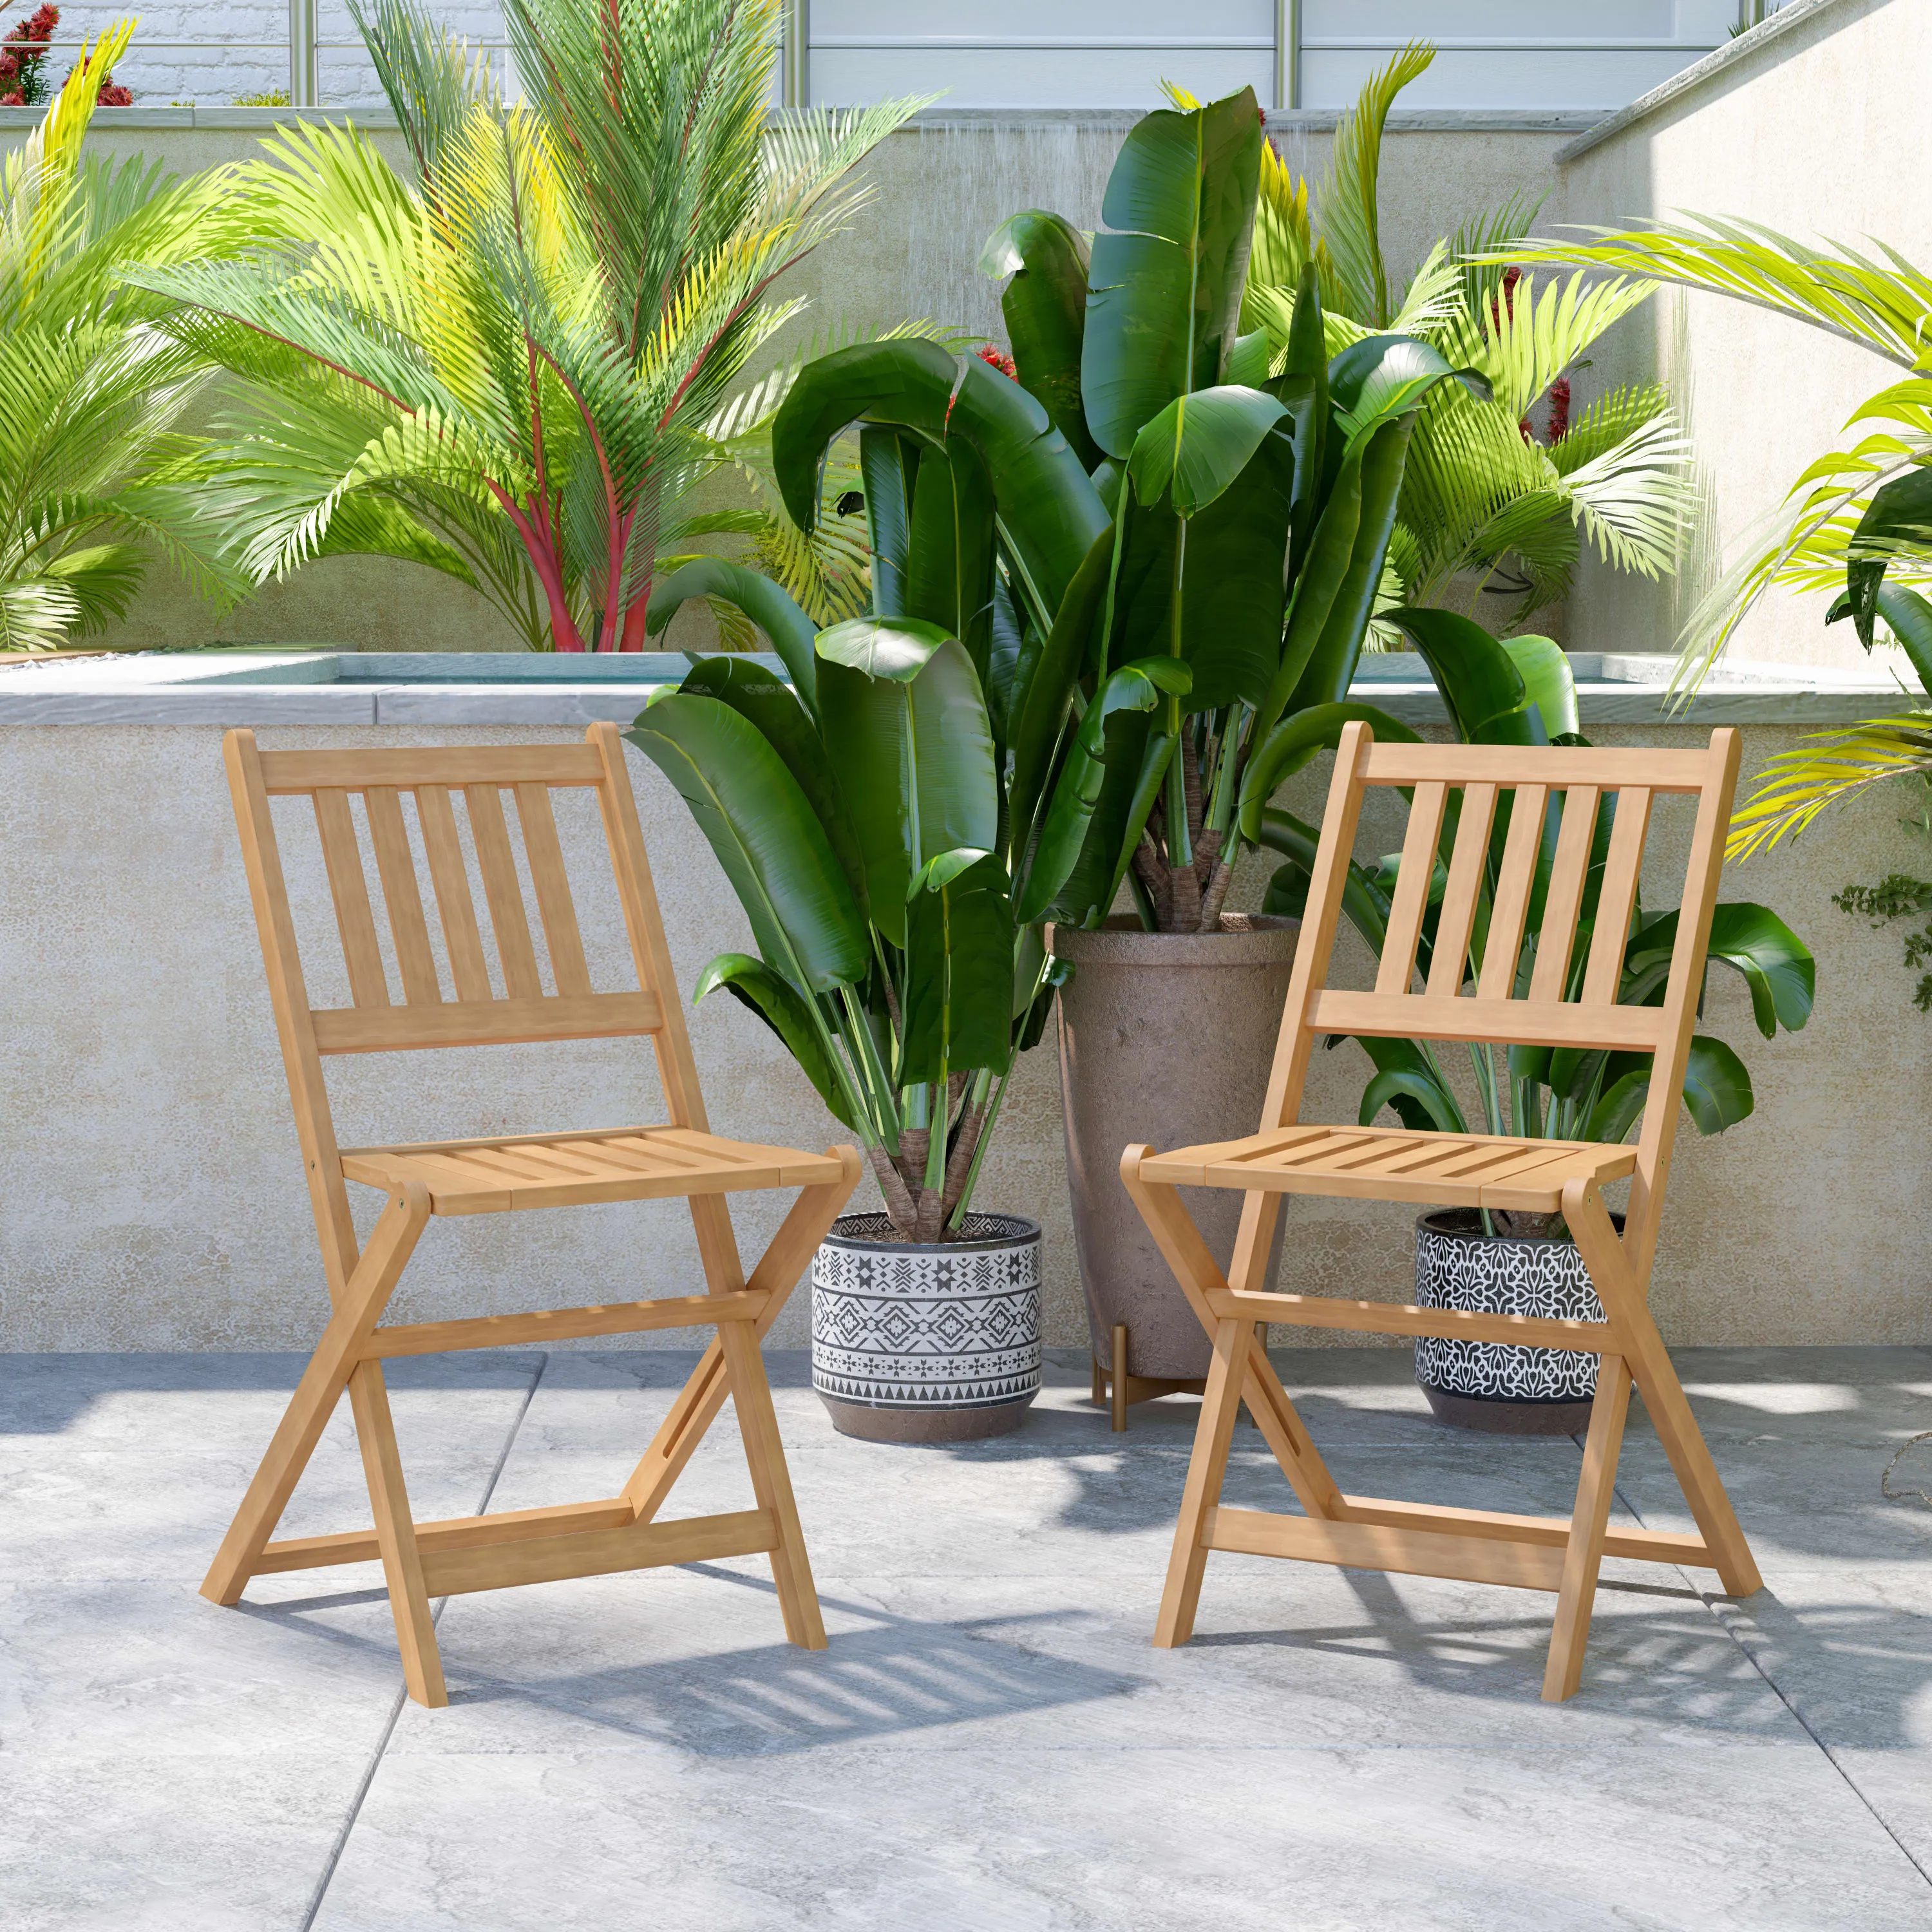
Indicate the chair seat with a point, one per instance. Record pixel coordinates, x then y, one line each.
489 1177
1362 1163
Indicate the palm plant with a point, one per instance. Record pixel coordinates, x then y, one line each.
1860 516
91 393
505 368
1521 692
1484 498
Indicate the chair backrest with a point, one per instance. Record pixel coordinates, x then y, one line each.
425 1016
1570 996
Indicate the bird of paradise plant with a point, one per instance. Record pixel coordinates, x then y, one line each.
504 368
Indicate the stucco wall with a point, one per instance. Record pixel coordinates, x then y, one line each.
151 1196
1807 129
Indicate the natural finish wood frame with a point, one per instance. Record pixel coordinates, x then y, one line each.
1362 1532
427 1560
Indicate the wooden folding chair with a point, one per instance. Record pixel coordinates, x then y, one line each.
1464 1170
422 1560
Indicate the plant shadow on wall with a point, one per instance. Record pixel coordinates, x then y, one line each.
513 367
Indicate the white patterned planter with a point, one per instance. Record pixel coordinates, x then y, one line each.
1494 1385
926 1343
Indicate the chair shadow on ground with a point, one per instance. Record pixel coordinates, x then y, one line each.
895 1674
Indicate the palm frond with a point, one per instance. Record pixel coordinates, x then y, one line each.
1796 786
1348 198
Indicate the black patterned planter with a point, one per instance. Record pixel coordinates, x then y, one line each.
1492 1385
926 1343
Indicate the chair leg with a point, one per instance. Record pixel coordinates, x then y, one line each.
1206 1469
702 1395
396 1535
771 1482
1625 1303
1589 1522
363 1298
1119 1409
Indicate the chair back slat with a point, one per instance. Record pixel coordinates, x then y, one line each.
509 921
1517 879
1457 919
1617 897
1412 888
1564 901
552 888
396 867
1561 1006
455 906
349 887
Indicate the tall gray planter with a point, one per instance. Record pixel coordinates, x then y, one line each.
1165 1038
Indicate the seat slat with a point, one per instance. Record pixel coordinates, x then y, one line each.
507 919
552 888
453 903
1416 875
485 1022
1457 919
396 867
349 887
1617 896
1557 936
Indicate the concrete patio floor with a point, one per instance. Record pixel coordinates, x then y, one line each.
990 1742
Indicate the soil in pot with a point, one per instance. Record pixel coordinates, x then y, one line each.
1165 1038
926 1342
1491 1386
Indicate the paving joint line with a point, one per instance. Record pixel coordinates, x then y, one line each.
1710 1604
326 1878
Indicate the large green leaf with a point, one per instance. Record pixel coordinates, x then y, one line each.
1897 523
1908 616
765 834
1331 665
958 976
1716 1088
779 1004
906 721
1304 387
1329 552
949 579
761 600
1405 1080
1165 287
1196 446
1547 682
1050 689
1773 962
1364 903
1231 587
755 695
1048 510
1385 376
888 464
1100 749
1477 679
1294 742
1045 307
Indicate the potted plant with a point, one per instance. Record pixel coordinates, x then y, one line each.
1521 692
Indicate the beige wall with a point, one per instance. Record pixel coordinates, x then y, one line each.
151 1192
940 190
1815 130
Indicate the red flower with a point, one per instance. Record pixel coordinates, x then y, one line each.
1559 409
1000 361
113 94
1507 305
16 99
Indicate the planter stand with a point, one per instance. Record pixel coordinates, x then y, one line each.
1120 1391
